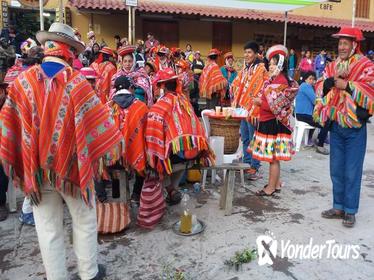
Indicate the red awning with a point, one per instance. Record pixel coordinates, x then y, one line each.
186 9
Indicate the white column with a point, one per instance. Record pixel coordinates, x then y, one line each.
285 28
353 12
41 10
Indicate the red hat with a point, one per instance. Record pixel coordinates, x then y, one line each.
214 52
351 32
126 50
227 55
165 75
277 49
182 64
107 50
88 73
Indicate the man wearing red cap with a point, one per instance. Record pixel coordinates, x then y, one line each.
105 70
212 84
346 94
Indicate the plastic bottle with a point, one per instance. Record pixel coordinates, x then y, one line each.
186 216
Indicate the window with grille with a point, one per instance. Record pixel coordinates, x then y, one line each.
362 8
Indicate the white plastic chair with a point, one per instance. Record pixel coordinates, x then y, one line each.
301 130
227 158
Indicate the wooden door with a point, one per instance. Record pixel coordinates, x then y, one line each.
166 32
222 38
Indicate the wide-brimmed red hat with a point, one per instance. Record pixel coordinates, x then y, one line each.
107 50
126 50
214 52
350 32
165 75
276 49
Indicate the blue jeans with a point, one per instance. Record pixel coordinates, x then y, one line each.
319 73
347 153
291 73
247 131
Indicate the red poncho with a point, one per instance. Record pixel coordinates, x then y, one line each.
55 130
131 122
105 71
173 128
212 81
338 105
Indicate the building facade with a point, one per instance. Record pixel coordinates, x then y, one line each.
226 29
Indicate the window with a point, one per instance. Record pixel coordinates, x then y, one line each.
362 8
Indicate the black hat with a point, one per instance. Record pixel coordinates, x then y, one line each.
251 45
122 82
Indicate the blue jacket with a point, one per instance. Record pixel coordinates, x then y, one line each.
305 99
320 62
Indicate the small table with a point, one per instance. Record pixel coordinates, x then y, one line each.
227 191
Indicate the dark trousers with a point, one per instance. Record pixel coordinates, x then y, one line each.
138 185
324 130
3 186
213 102
347 153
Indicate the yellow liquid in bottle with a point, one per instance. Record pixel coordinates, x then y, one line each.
186 223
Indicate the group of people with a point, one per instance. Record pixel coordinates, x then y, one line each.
64 131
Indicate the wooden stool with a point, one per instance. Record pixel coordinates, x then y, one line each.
227 190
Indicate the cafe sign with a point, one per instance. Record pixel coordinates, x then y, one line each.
32 3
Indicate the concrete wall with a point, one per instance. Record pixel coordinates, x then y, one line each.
197 33
342 10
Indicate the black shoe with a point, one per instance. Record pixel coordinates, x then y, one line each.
101 274
3 213
349 220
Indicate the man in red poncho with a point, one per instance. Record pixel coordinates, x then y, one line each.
346 93
54 133
212 83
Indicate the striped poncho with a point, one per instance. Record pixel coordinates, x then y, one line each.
212 81
174 129
105 71
339 105
248 85
131 122
55 130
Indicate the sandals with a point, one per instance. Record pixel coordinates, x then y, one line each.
349 220
174 197
332 214
263 193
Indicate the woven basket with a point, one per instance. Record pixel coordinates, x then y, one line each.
229 129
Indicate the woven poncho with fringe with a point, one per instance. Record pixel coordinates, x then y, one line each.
248 85
56 131
340 106
131 122
105 71
174 129
212 81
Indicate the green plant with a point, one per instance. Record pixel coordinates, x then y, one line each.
241 257
171 273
